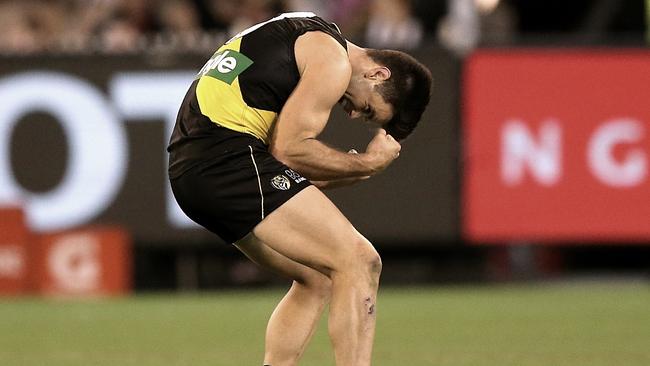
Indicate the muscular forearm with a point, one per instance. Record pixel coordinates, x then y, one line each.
319 162
329 184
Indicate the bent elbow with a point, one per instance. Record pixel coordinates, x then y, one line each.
291 153
280 153
286 156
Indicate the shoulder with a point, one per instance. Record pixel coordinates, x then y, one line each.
320 50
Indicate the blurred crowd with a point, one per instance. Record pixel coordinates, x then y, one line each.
122 26
119 26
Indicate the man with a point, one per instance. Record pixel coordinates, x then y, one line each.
245 163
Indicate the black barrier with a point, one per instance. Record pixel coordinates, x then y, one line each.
82 141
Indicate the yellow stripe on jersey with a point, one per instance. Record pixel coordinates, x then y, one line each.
223 104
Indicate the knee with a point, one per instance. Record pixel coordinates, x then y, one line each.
366 259
373 262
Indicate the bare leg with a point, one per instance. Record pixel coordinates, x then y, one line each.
292 325
294 320
352 317
310 230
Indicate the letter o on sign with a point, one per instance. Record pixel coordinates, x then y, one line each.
93 133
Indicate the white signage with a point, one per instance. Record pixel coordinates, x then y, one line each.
93 124
540 153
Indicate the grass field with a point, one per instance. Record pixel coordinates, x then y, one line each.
568 324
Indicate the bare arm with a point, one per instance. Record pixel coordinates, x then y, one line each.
325 74
337 183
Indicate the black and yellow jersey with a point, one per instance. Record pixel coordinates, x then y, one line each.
245 84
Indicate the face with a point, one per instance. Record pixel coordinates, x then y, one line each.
361 100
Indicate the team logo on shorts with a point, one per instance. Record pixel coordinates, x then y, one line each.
281 182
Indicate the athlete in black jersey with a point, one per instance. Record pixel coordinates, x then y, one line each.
246 163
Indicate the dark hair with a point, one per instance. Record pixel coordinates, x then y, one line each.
408 90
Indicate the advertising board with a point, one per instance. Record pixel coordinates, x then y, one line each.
556 146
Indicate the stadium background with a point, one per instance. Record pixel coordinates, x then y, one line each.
89 89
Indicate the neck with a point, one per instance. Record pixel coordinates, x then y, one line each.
358 58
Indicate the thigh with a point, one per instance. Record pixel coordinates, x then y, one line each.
268 258
310 230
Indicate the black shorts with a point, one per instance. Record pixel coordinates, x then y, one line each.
233 185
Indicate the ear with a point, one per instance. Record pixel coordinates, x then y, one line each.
379 73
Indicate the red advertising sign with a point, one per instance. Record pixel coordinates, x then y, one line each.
14 239
85 262
557 146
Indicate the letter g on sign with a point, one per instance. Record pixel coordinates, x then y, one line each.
629 172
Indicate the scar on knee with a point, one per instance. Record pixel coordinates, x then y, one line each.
370 305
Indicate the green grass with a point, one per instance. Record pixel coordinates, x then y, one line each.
528 325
